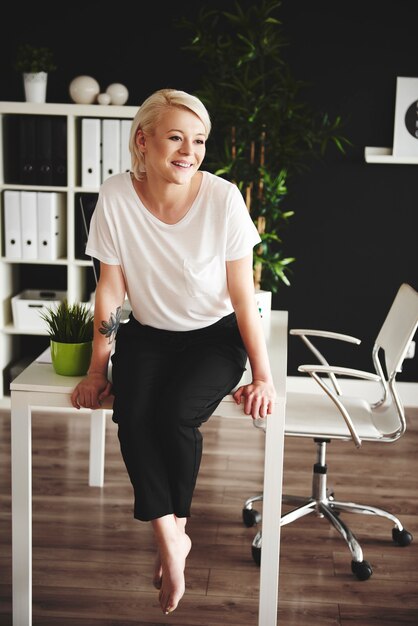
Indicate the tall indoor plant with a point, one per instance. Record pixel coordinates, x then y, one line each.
263 131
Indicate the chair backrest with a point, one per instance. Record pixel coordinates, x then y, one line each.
398 328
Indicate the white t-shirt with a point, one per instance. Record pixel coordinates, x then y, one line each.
175 273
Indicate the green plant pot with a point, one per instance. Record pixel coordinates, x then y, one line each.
71 359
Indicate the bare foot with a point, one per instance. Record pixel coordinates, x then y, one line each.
173 562
158 572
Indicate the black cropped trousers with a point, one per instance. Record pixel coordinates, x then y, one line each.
166 385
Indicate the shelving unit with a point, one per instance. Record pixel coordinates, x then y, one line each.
385 156
73 274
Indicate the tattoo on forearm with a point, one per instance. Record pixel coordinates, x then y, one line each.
110 328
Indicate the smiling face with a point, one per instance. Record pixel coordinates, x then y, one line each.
176 148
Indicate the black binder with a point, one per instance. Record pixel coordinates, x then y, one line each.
27 150
85 205
59 151
44 150
11 164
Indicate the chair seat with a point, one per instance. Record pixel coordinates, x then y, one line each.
316 415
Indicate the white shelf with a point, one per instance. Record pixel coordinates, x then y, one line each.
384 155
78 273
63 261
10 329
78 110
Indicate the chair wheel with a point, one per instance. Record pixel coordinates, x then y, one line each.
250 517
256 553
361 569
401 537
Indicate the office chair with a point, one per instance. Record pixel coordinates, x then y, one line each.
333 415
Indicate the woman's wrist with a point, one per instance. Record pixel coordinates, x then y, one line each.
96 372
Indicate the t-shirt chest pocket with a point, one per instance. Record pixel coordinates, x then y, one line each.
204 277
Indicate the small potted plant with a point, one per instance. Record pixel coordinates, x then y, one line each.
34 62
70 328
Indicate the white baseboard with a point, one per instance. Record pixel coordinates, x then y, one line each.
408 392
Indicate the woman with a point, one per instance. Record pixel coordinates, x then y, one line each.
178 241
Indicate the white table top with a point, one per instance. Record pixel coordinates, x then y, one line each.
41 377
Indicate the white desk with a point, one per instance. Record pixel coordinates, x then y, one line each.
38 387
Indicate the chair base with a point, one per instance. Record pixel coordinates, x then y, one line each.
323 504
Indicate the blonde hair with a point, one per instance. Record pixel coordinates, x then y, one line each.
148 116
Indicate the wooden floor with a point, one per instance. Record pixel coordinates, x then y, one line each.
92 562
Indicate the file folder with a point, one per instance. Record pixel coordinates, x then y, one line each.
90 152
51 225
87 210
27 150
29 227
84 205
110 148
12 229
59 151
11 165
43 150
125 155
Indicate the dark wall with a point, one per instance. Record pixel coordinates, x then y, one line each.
354 233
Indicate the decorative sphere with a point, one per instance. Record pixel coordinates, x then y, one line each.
84 89
118 93
103 98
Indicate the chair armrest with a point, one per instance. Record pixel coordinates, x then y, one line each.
314 370
303 333
340 371
324 333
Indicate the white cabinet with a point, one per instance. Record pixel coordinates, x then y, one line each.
59 126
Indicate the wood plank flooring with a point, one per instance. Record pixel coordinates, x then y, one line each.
92 562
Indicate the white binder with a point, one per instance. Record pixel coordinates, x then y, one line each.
125 155
12 229
110 147
51 225
29 224
90 152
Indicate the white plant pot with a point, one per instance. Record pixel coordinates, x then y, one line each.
35 86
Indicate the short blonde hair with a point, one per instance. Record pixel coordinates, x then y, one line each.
149 114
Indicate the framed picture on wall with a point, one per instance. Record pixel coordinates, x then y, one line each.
405 136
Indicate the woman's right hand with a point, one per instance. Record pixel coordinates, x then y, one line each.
91 391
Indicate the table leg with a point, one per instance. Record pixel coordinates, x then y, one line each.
21 435
97 447
272 508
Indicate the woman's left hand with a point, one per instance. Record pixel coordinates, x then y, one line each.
258 398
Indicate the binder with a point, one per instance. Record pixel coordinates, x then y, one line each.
90 152
29 227
125 155
110 147
84 208
87 209
51 225
43 150
27 150
11 165
59 151
12 229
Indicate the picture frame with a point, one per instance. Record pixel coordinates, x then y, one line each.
405 136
